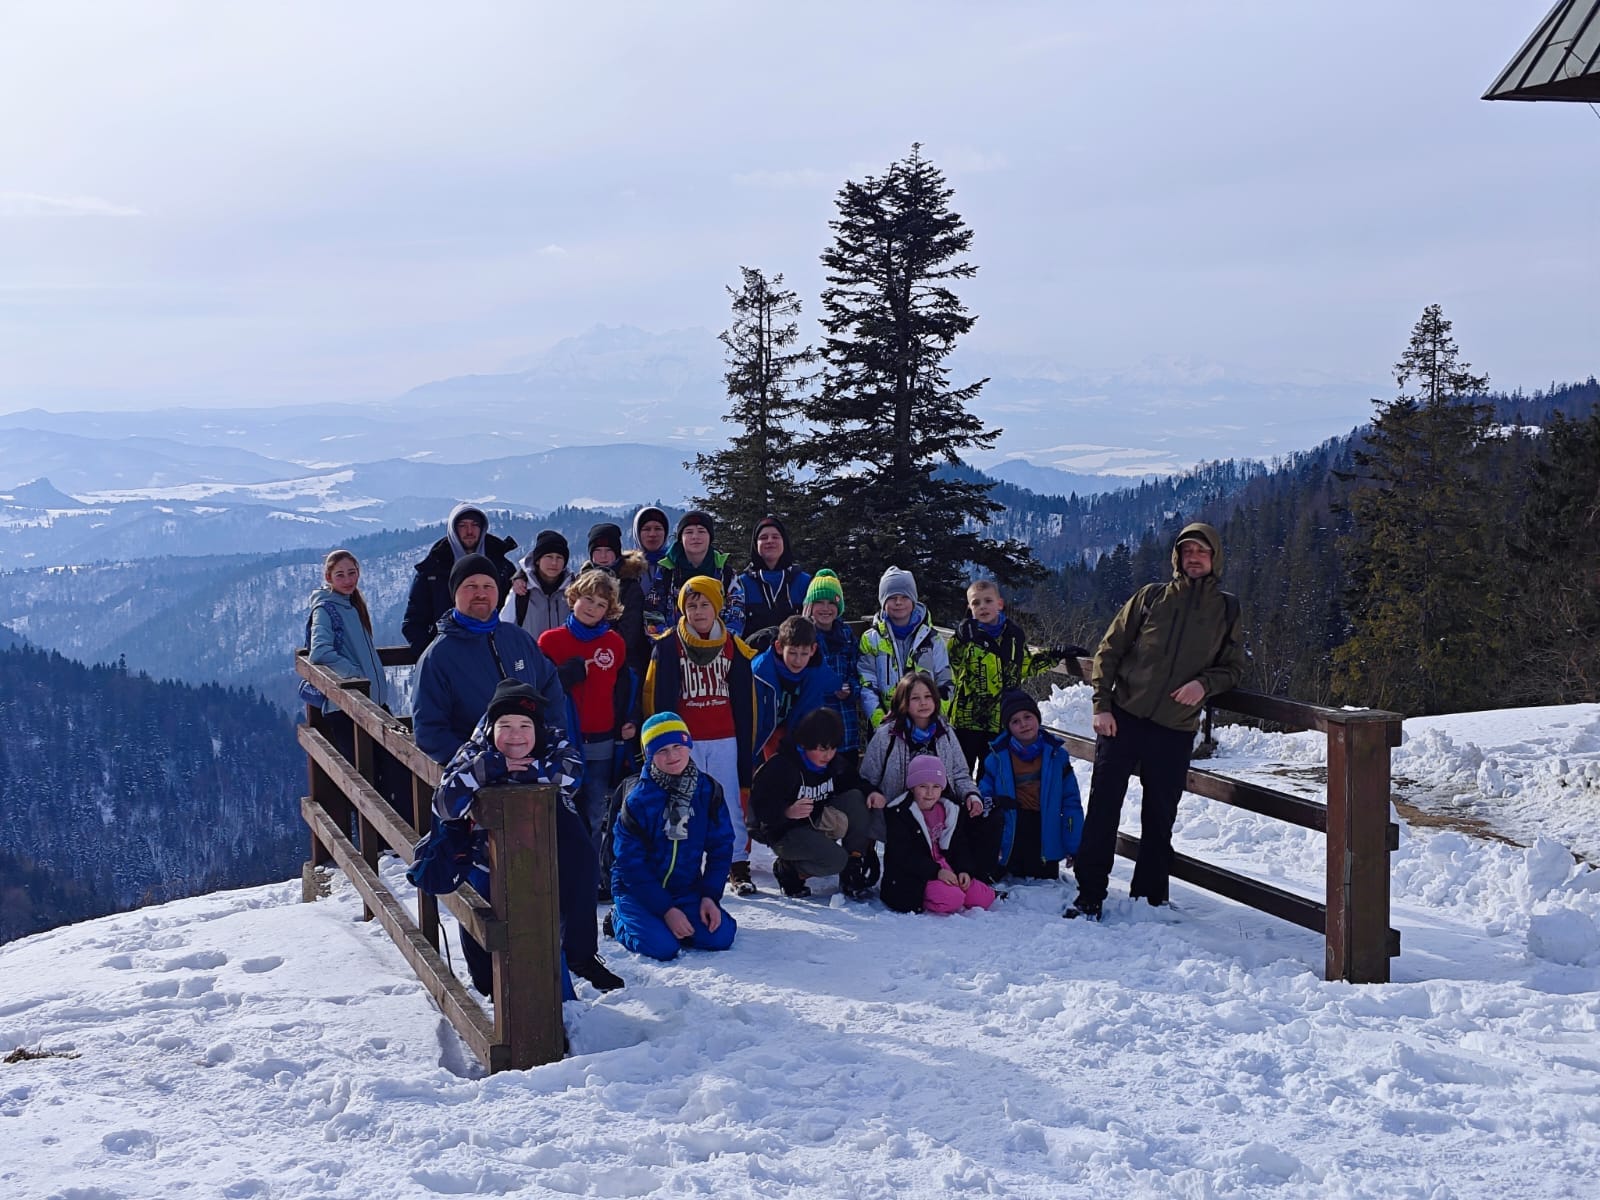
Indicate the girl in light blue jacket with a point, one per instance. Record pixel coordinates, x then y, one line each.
341 628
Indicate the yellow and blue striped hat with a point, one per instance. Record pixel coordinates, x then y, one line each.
663 730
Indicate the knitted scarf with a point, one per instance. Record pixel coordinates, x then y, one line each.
680 799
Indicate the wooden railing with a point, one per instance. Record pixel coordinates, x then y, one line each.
518 924
1353 917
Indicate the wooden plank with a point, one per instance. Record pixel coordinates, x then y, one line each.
1358 851
1283 806
386 729
1299 910
396 656
459 1008
465 905
527 973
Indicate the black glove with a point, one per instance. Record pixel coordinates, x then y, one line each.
1004 803
572 672
1070 656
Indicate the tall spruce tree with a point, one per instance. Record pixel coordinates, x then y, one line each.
1425 552
754 476
886 415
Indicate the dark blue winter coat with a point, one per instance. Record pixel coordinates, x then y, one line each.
1060 808
762 599
841 654
816 685
660 873
456 678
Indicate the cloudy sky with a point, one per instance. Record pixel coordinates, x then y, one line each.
257 203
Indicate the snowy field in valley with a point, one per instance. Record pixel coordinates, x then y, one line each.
247 1045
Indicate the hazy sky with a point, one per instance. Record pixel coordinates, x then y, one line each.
231 203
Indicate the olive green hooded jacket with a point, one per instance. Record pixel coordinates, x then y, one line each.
1166 635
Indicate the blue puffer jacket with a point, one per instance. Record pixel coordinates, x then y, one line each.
351 654
661 873
456 678
817 683
1060 808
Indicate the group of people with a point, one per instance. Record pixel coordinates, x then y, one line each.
686 709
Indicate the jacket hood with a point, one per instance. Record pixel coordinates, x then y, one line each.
630 565
326 595
786 559
456 513
650 513
1207 534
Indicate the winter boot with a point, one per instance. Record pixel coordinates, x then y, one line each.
853 879
789 879
871 868
1090 912
609 926
597 973
739 876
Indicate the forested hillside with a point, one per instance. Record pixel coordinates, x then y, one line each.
1287 534
120 791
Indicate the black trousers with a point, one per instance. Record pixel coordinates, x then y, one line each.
975 745
577 879
1160 757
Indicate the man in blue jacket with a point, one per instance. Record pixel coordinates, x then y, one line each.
473 652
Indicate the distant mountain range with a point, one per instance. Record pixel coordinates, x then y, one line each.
621 384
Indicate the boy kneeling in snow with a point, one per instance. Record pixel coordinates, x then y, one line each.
673 844
928 860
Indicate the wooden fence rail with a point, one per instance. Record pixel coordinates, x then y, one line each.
518 924
1353 917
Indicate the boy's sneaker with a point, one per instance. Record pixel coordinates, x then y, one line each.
739 877
1090 912
853 879
597 973
790 880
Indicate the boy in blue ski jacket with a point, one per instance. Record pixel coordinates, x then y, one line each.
673 845
788 684
1028 779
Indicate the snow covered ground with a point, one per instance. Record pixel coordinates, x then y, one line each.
246 1045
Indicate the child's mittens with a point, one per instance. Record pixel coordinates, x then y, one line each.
572 672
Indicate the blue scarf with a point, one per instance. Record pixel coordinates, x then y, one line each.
586 633
784 674
1030 752
992 630
901 632
472 626
921 737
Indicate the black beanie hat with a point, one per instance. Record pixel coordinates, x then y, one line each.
1013 702
548 541
696 516
469 565
512 697
608 535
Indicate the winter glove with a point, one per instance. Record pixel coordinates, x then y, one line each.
1004 803
572 672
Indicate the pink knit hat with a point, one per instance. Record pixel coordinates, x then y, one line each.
925 768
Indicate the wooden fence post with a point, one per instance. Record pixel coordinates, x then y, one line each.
1358 845
527 974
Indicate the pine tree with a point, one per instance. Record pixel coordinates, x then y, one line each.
754 476
1556 554
1424 553
886 415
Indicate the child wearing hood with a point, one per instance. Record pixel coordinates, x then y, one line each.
673 844
650 527
771 587
928 862
901 639
538 599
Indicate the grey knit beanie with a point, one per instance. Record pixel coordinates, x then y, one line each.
896 582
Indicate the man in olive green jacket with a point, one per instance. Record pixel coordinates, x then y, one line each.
1171 647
